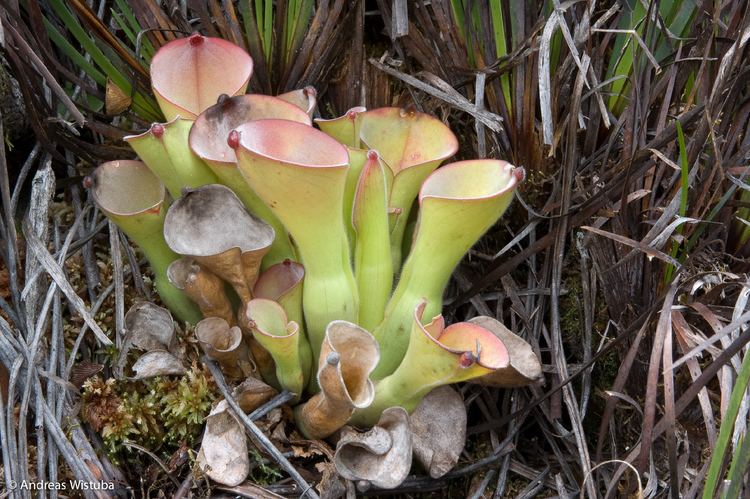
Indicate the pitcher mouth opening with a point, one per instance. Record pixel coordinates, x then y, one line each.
452 182
210 136
209 56
145 193
319 151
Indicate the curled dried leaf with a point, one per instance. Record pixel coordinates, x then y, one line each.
380 456
438 427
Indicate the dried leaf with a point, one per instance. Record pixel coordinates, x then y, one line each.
150 326
81 372
438 426
331 485
115 99
223 455
278 435
307 451
179 457
157 363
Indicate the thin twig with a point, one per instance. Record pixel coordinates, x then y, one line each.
279 400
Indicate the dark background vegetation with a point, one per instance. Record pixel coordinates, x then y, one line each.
623 260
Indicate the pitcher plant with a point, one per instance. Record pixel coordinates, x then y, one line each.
210 225
284 341
134 199
300 173
412 144
164 149
293 244
457 205
436 356
208 140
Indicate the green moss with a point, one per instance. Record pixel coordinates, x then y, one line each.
158 414
187 403
263 472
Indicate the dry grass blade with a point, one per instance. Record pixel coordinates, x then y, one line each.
691 392
740 428
669 411
251 491
582 213
490 120
54 270
559 256
97 26
114 244
545 92
625 463
720 334
28 53
681 328
649 412
648 250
